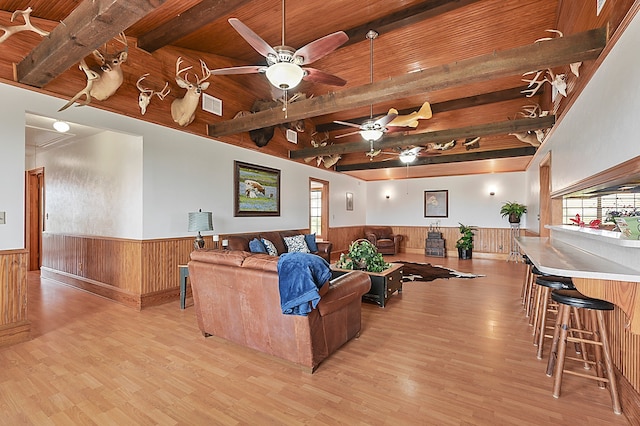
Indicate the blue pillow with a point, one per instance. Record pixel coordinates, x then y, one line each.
311 242
257 246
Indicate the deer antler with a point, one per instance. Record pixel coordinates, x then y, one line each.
27 26
144 98
92 76
179 71
206 72
534 83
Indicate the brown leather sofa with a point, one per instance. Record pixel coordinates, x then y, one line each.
241 242
236 297
383 238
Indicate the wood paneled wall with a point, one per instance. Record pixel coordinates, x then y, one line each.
626 357
135 273
14 325
492 242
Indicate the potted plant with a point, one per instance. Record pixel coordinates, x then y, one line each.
364 256
465 242
513 210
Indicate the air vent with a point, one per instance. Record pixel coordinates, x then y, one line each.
292 136
211 104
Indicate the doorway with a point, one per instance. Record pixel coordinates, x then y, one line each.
34 217
319 208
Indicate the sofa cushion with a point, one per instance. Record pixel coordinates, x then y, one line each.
311 242
296 243
220 257
276 239
271 249
257 246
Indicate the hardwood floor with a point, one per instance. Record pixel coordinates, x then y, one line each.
447 352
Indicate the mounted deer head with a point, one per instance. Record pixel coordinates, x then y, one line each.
146 94
183 110
104 81
27 26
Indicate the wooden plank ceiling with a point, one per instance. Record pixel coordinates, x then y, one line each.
464 57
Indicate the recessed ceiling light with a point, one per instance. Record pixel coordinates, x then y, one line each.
61 126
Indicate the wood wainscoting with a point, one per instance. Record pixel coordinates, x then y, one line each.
494 243
14 325
626 357
135 273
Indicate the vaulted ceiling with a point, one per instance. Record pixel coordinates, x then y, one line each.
465 57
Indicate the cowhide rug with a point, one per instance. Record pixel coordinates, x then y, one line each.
426 272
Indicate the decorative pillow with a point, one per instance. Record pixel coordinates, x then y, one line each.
257 246
310 239
296 243
271 249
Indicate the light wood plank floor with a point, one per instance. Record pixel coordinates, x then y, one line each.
447 352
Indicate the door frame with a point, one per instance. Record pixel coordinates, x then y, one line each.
34 217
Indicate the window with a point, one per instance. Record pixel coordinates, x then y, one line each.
604 207
318 208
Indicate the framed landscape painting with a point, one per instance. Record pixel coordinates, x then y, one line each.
257 190
436 203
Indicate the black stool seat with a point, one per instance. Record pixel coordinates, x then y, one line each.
537 271
526 259
578 300
555 282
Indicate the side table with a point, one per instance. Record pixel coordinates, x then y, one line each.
184 273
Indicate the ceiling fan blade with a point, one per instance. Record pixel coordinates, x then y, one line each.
383 121
345 123
345 134
318 76
261 46
321 47
249 69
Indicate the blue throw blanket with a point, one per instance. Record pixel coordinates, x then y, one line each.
300 277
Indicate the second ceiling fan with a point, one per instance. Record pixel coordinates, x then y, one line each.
284 68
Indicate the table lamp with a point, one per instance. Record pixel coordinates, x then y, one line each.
200 221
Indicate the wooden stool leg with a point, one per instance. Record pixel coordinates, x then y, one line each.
581 345
525 282
565 313
536 311
598 349
540 329
553 355
608 362
532 295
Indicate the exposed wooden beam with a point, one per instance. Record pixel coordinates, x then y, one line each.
90 25
442 159
405 17
188 22
546 54
439 136
468 102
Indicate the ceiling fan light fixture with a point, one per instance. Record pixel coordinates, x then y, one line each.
408 157
371 134
61 126
285 75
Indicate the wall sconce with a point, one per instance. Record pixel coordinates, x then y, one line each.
492 193
200 221
387 196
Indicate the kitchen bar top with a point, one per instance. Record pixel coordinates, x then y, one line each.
558 258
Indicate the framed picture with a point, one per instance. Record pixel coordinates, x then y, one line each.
349 200
257 190
436 203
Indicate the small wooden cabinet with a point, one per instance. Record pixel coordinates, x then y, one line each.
434 245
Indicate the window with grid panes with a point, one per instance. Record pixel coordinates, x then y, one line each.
315 212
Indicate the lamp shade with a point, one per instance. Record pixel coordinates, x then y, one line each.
285 75
200 221
408 157
371 134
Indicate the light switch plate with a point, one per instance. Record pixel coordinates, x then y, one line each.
2 215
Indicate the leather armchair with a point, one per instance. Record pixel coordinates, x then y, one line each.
383 238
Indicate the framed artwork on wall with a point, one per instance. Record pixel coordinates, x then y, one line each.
436 203
256 190
349 200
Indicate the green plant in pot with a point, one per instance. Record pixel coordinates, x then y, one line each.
364 256
513 210
465 242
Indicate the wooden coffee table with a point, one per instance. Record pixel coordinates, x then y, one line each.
383 284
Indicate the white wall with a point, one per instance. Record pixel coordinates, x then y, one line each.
469 200
603 126
94 186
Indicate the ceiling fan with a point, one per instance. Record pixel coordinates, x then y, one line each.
284 68
372 129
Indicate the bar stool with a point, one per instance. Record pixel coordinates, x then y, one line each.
531 292
568 299
527 277
546 283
